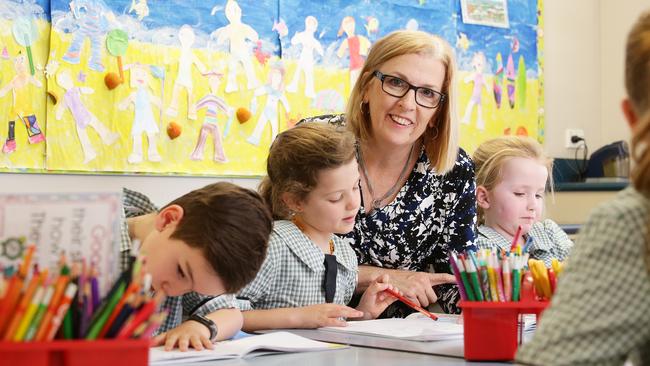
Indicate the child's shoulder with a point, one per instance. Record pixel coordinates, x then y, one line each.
488 238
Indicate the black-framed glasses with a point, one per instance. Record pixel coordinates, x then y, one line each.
396 87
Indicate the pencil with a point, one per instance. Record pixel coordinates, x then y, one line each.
411 303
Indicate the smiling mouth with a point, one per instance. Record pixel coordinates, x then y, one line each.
400 120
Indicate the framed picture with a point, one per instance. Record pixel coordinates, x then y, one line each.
493 13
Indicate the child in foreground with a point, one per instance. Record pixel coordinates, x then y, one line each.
310 274
511 177
210 241
599 313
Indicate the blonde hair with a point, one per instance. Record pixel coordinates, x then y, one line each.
492 155
441 141
637 80
296 158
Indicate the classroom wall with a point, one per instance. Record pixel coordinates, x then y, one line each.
584 44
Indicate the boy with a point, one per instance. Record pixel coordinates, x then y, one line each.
210 241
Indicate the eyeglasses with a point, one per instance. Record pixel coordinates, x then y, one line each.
396 87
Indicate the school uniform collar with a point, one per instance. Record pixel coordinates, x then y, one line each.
494 237
311 254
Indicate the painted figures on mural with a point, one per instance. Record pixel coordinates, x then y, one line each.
83 118
274 92
22 109
357 47
236 33
477 78
309 45
92 20
212 105
183 80
144 121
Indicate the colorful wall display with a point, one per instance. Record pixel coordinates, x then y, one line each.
203 88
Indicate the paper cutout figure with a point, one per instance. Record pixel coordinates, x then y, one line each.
184 76
143 121
478 64
22 108
497 81
356 45
212 104
236 33
510 80
306 60
82 116
274 91
92 20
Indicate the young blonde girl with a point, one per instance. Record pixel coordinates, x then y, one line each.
511 177
310 274
599 314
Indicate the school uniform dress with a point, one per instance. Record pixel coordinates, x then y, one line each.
548 241
600 313
180 307
293 273
431 215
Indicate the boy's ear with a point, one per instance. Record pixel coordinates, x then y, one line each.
170 215
482 197
292 202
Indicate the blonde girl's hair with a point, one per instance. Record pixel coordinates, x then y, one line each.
296 158
637 84
492 155
440 141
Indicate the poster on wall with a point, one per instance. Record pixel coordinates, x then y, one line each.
164 87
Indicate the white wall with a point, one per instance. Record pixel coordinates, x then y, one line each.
583 80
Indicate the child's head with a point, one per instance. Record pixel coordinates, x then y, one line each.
311 23
64 79
637 104
186 36
211 240
312 172
511 177
478 62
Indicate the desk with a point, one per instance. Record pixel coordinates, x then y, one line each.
349 357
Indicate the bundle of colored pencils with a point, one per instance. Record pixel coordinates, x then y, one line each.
42 307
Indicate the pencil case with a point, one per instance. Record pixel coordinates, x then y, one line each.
133 352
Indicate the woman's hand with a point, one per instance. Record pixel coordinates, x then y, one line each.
374 300
419 285
323 315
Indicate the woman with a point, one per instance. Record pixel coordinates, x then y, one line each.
417 185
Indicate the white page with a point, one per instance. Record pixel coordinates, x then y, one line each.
248 346
415 328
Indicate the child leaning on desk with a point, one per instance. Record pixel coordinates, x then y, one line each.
210 241
600 312
511 177
310 273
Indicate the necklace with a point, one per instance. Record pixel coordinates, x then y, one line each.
376 202
296 221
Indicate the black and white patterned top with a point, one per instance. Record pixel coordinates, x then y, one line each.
431 215
293 272
548 241
600 314
180 307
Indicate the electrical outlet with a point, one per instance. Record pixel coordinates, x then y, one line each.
571 132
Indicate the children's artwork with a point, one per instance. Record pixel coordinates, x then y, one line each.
485 12
77 225
124 72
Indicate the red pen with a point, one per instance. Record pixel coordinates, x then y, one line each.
515 240
411 304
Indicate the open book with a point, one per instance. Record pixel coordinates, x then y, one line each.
415 328
255 345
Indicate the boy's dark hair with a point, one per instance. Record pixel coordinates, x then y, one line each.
231 225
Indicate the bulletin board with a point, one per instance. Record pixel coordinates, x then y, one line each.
186 74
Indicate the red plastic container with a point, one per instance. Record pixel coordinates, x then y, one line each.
75 353
491 328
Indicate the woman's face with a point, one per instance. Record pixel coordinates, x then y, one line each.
401 121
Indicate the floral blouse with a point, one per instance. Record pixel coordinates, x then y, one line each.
431 215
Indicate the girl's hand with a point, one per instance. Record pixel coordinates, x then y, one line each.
189 334
323 315
374 300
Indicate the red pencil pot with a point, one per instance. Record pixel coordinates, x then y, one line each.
490 328
75 353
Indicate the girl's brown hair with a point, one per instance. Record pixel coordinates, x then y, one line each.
296 158
490 157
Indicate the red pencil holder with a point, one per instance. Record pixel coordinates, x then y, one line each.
75 353
491 327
